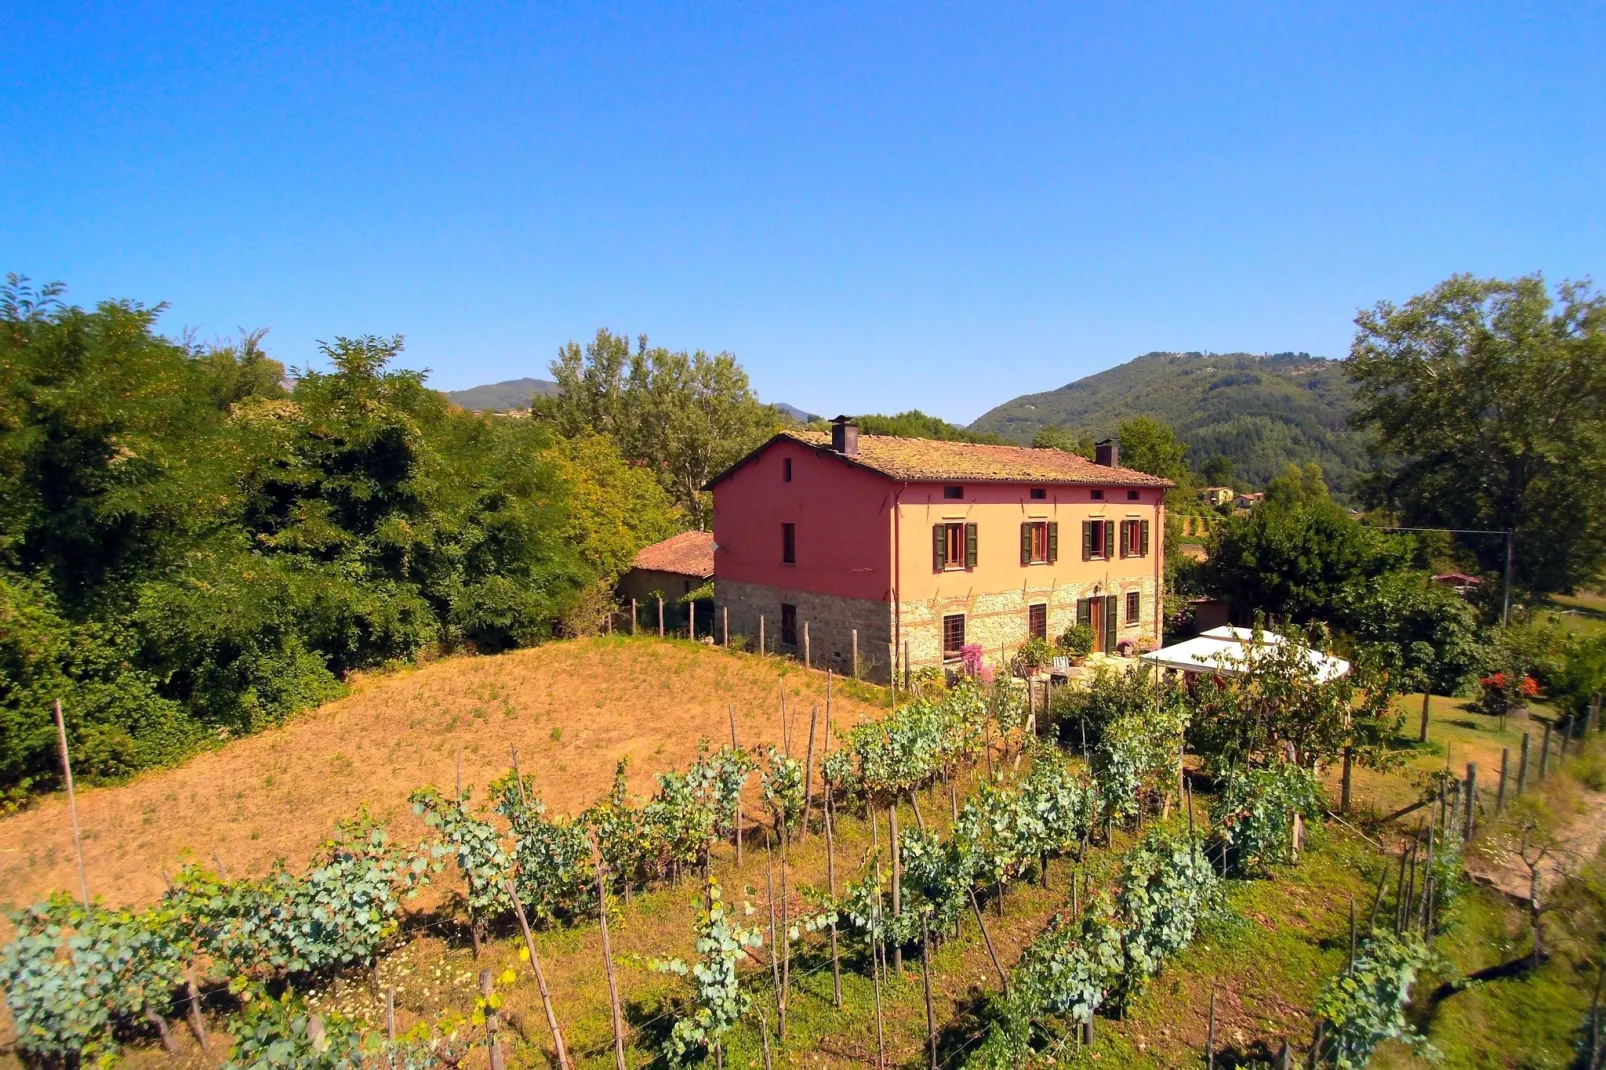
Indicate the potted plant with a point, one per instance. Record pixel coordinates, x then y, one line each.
1077 642
1033 656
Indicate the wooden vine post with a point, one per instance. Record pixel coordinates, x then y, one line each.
540 978
1505 769
72 804
731 709
925 976
808 766
660 616
897 880
633 616
1003 978
830 883
1522 766
607 959
492 1021
775 954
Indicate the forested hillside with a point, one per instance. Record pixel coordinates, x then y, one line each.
1261 412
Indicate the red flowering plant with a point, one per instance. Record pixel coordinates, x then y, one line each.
1505 692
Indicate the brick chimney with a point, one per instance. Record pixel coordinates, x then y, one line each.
845 436
1107 453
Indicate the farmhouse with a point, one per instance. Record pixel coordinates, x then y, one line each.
672 568
924 546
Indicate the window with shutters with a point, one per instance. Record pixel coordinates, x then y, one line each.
1039 542
1037 621
953 636
1134 540
788 624
1134 606
953 546
786 469
1098 539
788 544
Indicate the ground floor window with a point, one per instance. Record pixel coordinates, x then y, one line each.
788 625
1037 621
953 636
1134 605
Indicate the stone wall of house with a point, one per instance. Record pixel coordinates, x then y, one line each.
998 620
831 621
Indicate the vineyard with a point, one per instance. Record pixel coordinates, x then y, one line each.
1032 873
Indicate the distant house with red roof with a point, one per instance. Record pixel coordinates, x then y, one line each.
927 546
672 568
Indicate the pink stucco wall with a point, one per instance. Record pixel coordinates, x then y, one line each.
843 516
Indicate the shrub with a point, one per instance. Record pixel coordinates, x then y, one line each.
1077 640
1253 813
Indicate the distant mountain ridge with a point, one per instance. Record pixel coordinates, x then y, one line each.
501 397
1262 412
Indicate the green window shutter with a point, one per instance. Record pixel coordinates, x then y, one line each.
1109 623
1053 541
1109 539
970 545
939 547
1084 611
1025 544
1087 540
1121 547
1143 538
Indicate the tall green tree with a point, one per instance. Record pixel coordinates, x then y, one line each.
1487 402
1151 446
1059 438
685 416
1298 554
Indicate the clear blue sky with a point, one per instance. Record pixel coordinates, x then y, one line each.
874 209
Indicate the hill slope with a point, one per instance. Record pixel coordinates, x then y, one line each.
512 394
1263 412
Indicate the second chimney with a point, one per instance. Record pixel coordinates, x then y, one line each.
1107 453
845 436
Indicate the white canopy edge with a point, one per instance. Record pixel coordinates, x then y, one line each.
1231 651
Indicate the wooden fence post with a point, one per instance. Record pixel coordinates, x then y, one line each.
1544 752
1500 793
808 770
660 616
726 610
691 621
855 653
1522 766
633 616
761 633
1469 825
808 660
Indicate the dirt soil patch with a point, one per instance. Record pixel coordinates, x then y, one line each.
572 709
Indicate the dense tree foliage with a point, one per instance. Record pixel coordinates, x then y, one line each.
1487 398
188 552
1297 553
916 424
685 416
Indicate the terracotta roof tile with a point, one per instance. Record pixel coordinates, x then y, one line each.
691 553
928 460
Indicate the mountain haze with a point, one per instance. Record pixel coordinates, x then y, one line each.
1262 412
